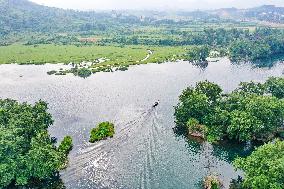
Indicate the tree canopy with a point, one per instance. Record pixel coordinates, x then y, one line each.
102 131
27 152
264 168
254 111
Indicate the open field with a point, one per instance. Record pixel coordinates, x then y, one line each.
114 55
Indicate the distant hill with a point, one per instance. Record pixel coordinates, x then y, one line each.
18 16
268 13
23 15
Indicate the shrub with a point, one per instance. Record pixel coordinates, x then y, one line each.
84 72
196 129
66 145
102 131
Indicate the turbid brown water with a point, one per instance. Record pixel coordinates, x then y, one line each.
145 152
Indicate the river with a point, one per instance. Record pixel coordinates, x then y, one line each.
146 152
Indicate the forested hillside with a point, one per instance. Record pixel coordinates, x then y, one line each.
22 15
26 16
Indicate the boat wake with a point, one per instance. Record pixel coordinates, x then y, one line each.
101 162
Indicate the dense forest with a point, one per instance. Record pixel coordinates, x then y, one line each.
28 154
252 112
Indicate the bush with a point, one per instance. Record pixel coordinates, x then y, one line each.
66 145
275 86
196 129
84 72
102 131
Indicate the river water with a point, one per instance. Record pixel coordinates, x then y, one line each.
146 152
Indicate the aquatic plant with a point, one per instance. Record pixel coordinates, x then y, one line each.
51 72
84 72
102 131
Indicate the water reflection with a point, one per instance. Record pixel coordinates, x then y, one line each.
264 63
224 150
147 154
202 65
53 183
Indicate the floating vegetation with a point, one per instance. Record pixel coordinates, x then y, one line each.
122 68
102 131
83 72
52 72
61 73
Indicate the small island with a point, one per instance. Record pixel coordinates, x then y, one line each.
252 112
102 131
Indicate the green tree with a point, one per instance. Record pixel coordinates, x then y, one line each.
270 113
102 131
275 86
264 168
198 53
211 90
251 88
243 126
192 105
248 113
27 152
249 50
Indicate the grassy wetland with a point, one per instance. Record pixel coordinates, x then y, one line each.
110 55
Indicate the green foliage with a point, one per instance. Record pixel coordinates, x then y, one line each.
194 105
275 86
27 152
102 131
251 88
197 103
84 72
243 126
196 129
198 53
248 113
264 168
66 145
251 50
42 160
211 90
